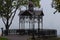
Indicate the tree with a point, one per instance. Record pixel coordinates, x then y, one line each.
56 5
8 10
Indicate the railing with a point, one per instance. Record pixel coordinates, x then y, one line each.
44 32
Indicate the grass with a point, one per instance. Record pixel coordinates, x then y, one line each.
53 38
50 38
1 38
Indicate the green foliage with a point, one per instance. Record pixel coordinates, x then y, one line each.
6 8
56 5
25 2
3 38
36 3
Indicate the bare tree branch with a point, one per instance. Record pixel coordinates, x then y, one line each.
13 17
3 21
11 14
55 11
14 14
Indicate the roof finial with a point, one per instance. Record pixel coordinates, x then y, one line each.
31 5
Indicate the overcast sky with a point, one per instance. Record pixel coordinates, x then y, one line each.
51 21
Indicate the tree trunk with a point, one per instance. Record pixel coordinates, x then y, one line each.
7 29
7 26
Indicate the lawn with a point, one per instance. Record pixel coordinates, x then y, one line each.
1 38
50 38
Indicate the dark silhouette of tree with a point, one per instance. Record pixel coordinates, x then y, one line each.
8 10
56 5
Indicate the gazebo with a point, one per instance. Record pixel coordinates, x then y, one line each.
29 19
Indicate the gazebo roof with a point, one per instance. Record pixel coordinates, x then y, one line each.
25 13
39 12
29 13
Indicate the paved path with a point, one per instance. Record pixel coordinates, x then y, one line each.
17 37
